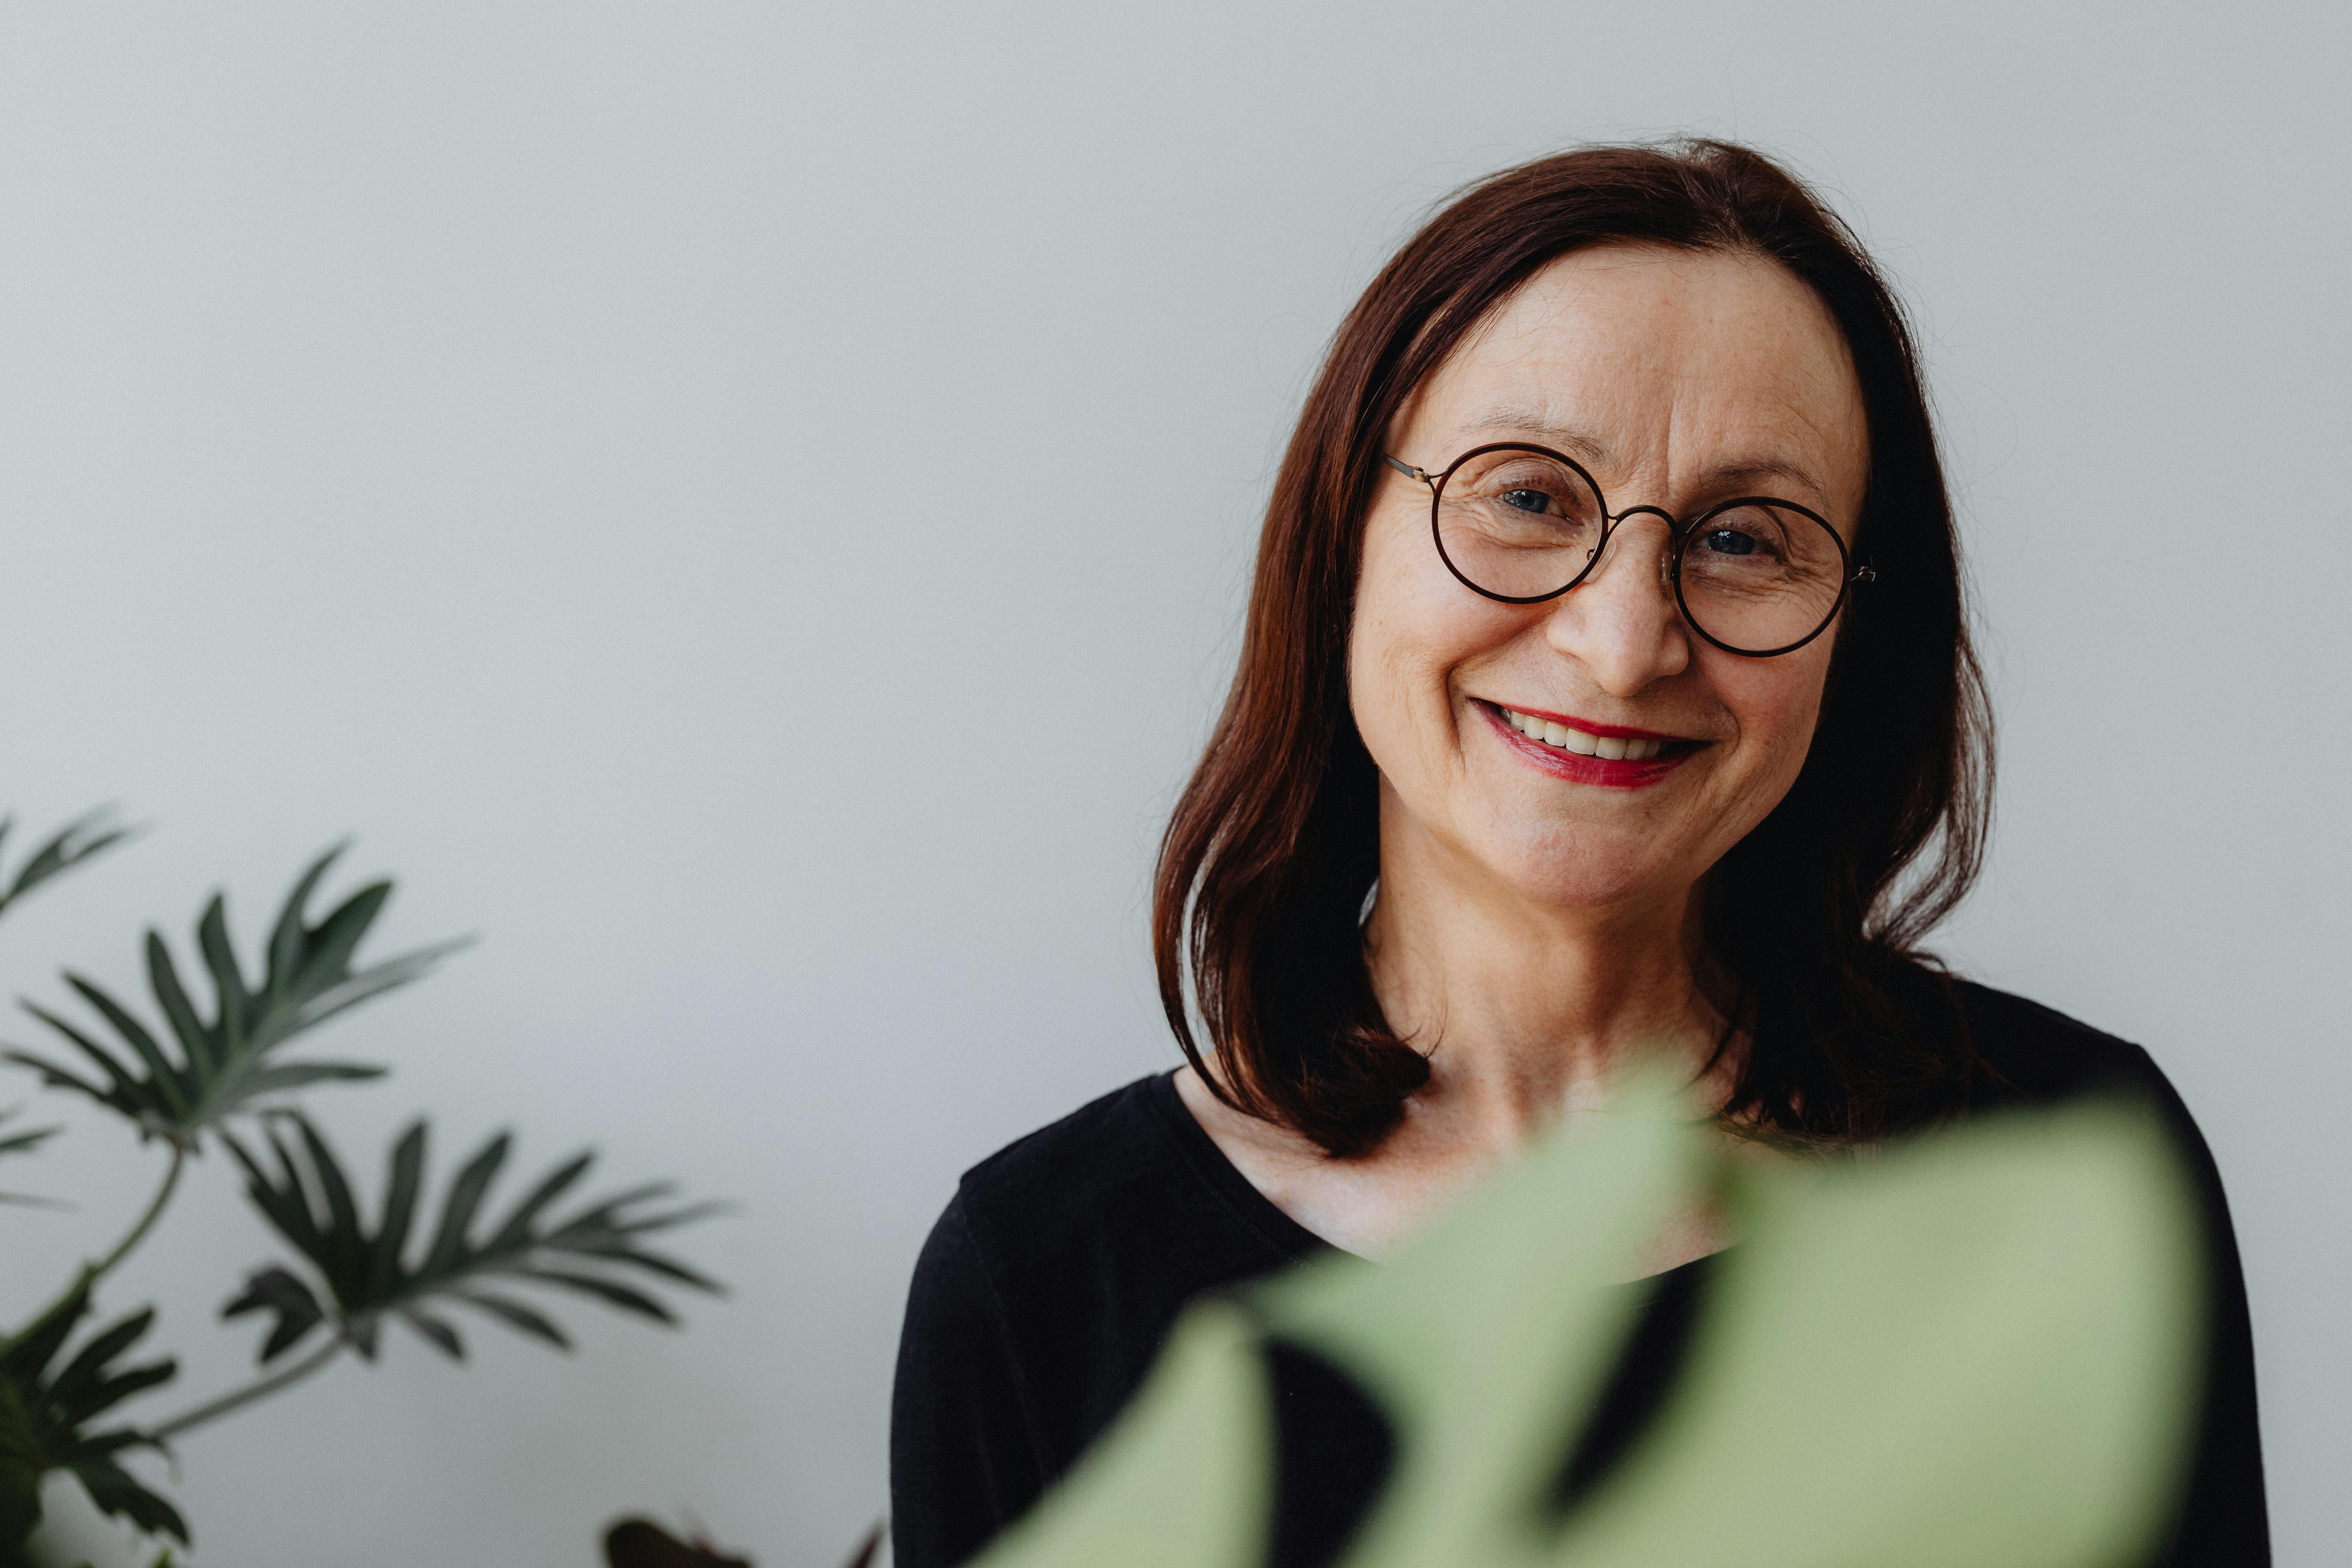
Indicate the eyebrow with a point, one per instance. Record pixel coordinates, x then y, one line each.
1590 449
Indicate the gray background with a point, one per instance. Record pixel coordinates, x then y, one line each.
747 508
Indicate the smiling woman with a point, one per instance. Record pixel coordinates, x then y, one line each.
1606 699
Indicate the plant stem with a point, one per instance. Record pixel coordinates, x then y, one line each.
146 1221
257 1389
92 1272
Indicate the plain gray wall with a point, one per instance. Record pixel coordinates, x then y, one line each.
747 508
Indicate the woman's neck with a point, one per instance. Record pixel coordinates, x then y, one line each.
1529 1013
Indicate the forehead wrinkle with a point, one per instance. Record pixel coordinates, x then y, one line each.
1535 424
1519 419
1724 476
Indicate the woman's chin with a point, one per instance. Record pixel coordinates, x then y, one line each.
1590 881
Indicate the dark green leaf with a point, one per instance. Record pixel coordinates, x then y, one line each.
606 1220
329 946
277 1291
609 1291
196 1042
117 1494
68 846
669 1268
285 1204
551 1187
388 976
31 1138
514 1312
55 1077
116 1387
82 1373
228 980
404 1176
129 1095
223 1068
433 1329
457 1210
342 1213
290 940
25 1358
161 1072
300 1075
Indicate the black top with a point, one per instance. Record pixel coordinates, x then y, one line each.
1048 1285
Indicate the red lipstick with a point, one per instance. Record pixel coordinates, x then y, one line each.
1616 773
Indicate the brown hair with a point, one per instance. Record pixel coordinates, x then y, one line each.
1849 1031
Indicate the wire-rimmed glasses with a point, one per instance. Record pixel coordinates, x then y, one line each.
1754 576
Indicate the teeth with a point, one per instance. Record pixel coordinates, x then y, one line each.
1611 747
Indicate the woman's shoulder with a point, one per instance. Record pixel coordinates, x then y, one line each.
1102 1143
1056 1272
2031 1055
1128 1172
2034 1054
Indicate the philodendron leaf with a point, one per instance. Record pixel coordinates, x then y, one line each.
28 1140
367 1272
119 1494
24 1143
45 1414
276 1291
182 1080
71 845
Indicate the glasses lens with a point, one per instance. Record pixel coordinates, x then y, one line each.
1517 524
1758 578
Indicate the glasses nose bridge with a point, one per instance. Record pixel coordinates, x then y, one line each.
1612 522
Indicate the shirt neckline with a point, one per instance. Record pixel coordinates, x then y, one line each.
1211 1164
1262 1215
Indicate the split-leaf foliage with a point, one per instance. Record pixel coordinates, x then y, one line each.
368 1274
223 1065
182 1083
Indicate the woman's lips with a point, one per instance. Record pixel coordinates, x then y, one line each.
1585 752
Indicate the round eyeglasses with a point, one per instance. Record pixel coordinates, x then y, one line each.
1754 576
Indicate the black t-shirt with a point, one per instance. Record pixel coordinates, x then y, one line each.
1051 1281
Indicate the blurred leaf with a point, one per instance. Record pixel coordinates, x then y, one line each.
24 1143
277 1291
368 1273
47 1411
642 1543
31 1138
863 1555
79 839
2006 1310
182 1082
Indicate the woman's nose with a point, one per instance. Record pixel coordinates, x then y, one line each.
1621 622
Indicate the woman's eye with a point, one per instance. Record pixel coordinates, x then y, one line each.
1728 542
1526 501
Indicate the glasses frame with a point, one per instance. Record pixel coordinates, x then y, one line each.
1679 535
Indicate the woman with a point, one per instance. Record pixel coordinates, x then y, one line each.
1606 694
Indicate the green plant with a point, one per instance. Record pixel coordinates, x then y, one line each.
183 1086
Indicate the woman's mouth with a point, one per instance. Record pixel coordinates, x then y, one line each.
1584 743
1561 747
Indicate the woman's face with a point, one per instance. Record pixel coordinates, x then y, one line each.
1678 380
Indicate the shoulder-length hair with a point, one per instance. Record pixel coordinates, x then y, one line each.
1844 1030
